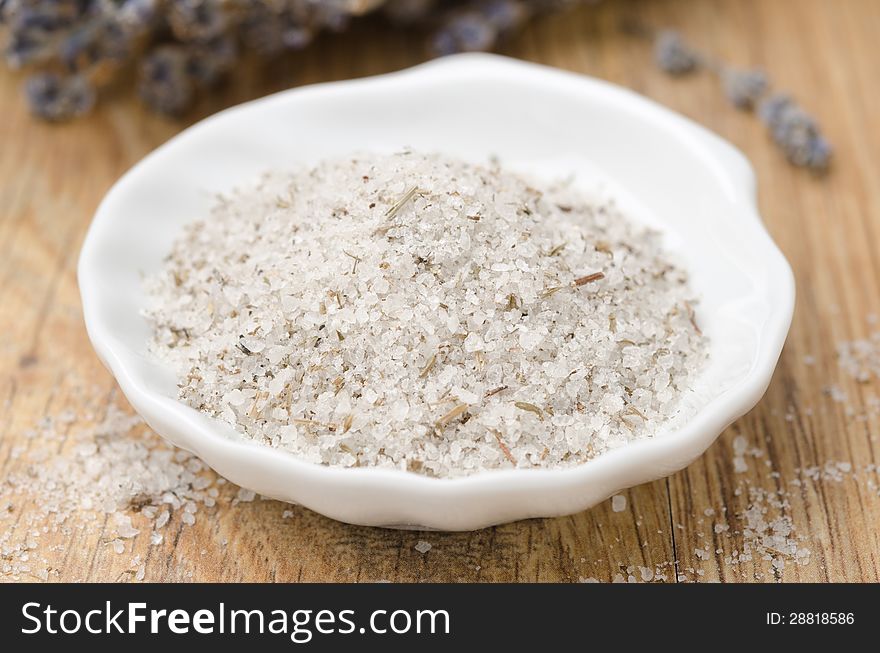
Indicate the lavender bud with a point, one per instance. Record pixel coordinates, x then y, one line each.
270 31
53 97
26 46
795 132
467 31
770 109
136 17
744 88
165 84
198 20
208 62
673 55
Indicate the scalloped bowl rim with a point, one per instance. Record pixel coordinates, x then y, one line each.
403 499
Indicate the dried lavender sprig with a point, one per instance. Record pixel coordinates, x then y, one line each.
795 132
792 129
478 25
93 39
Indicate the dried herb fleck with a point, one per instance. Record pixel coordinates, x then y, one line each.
400 203
495 391
459 410
531 408
428 366
596 276
504 449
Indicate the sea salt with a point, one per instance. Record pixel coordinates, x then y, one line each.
618 503
113 470
861 358
418 312
245 496
422 546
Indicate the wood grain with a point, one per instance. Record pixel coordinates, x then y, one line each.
825 53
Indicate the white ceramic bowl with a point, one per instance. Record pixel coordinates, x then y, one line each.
699 189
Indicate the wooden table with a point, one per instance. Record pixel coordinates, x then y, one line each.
826 53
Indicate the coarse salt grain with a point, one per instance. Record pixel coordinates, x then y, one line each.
422 546
79 477
618 503
245 495
861 358
418 312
